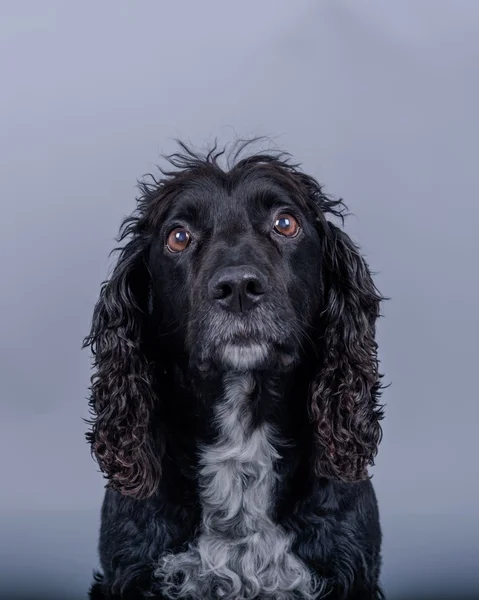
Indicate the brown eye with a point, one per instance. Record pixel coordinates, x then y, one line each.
286 225
178 239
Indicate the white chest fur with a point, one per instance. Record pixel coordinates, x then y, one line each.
240 553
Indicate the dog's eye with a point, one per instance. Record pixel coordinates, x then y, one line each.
178 239
286 225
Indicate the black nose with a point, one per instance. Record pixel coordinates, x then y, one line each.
237 289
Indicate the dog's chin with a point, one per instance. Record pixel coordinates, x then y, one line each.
248 356
244 356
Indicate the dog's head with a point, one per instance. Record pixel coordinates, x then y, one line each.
235 270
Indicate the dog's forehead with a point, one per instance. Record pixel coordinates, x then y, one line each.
219 205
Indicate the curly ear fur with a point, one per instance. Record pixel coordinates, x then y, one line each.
344 394
122 391
343 403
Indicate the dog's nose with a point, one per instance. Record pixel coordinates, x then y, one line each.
237 289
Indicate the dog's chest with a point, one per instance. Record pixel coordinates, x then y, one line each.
240 553
237 474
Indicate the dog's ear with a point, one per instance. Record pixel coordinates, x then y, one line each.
122 392
344 394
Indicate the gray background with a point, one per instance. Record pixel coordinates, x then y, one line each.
379 100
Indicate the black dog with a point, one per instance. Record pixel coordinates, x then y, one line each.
235 393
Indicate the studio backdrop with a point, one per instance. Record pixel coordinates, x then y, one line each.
378 100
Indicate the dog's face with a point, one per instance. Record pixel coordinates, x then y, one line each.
236 273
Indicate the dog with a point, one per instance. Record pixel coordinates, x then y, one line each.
235 393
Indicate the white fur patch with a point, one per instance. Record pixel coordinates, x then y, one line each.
241 553
243 357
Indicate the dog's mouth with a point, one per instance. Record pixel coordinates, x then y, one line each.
245 344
